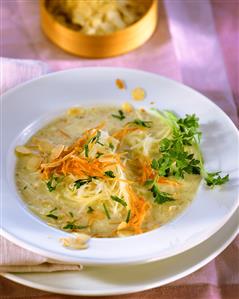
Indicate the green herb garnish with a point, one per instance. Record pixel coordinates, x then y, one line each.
106 211
142 123
71 225
71 214
121 115
111 146
86 149
160 197
119 200
110 174
96 138
98 154
81 182
52 216
52 183
90 210
128 216
25 187
175 160
148 182
213 178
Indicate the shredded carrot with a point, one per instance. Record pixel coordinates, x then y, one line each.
148 173
139 208
68 162
145 170
72 164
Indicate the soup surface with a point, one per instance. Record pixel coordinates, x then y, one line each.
95 171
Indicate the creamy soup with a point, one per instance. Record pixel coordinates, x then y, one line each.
104 172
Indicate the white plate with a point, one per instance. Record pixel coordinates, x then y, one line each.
27 107
99 281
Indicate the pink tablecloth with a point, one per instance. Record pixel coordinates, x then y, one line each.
200 50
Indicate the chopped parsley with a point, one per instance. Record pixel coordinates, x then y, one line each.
96 138
160 197
71 214
25 187
98 154
106 211
213 178
52 216
86 149
120 116
188 129
81 182
148 182
90 210
111 146
175 160
119 200
128 216
71 225
110 174
142 123
52 183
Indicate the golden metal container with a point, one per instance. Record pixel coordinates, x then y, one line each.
100 46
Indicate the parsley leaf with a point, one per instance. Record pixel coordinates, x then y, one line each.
82 182
175 160
148 182
119 200
52 183
121 115
110 174
213 178
160 197
142 123
96 138
188 129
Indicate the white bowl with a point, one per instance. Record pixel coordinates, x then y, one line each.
26 108
115 280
